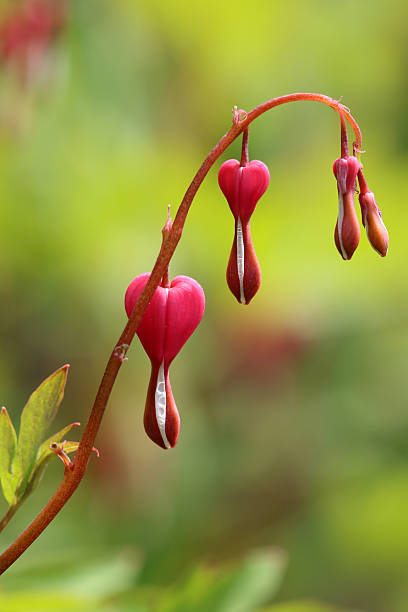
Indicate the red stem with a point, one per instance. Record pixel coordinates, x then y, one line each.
165 232
344 147
244 150
362 182
73 477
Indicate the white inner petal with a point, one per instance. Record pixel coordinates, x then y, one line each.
160 404
240 260
340 224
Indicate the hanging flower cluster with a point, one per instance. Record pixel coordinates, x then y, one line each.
176 309
163 314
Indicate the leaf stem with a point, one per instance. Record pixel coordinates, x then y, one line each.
73 477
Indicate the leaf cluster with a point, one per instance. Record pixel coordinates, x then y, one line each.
24 458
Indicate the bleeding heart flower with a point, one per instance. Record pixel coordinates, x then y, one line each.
171 317
347 231
243 186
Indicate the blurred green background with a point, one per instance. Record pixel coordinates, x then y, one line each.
294 409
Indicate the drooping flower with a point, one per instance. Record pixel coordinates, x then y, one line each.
172 316
347 230
243 186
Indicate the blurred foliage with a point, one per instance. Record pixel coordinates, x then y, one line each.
294 410
107 583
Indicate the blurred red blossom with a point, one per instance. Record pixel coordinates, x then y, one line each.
27 32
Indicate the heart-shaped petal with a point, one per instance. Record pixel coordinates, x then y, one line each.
243 186
171 317
185 309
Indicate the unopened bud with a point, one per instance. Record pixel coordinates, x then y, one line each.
347 230
372 220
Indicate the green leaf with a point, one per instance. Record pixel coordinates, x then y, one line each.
37 415
44 455
240 588
8 441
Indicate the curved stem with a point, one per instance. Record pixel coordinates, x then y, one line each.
73 476
311 97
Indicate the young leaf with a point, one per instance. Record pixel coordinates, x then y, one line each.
8 441
68 447
44 455
60 435
37 415
40 465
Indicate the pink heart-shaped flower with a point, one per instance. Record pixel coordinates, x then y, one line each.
171 317
169 320
243 186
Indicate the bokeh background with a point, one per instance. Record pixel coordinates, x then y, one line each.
288 489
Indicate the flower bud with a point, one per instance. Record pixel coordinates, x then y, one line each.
347 231
372 220
243 186
169 320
